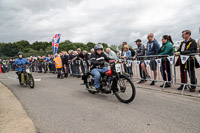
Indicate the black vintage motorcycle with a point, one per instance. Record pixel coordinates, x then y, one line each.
112 82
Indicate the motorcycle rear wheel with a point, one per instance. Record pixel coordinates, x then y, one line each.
88 86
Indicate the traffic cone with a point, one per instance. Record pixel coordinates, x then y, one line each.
0 69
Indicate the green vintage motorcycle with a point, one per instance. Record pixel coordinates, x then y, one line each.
25 76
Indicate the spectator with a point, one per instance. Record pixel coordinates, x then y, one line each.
52 64
71 56
39 62
11 64
32 61
132 51
188 46
152 49
45 63
80 55
76 64
86 59
64 58
2 66
127 56
58 63
49 57
198 45
140 52
111 54
166 49
92 50
5 67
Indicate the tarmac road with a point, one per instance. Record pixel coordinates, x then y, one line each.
64 106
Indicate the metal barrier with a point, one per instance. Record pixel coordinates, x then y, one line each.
157 61
191 61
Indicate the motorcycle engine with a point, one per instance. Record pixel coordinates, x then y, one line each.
104 83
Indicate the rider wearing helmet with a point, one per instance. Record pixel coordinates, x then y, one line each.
98 59
20 62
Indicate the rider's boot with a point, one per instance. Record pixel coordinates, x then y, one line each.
99 89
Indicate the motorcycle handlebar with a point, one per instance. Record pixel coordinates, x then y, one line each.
24 66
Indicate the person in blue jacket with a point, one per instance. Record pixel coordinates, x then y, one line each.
20 62
153 48
128 57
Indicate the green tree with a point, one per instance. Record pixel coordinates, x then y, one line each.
90 45
9 49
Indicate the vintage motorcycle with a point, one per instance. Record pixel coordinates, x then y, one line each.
26 77
112 82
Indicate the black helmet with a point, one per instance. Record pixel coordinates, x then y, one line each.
98 46
20 53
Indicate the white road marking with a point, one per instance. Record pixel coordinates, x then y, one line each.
13 78
37 79
45 76
16 78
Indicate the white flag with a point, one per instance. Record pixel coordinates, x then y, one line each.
137 63
184 58
158 61
171 59
147 62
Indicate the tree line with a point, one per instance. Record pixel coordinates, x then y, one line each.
10 50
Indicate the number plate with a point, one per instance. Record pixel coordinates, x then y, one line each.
117 67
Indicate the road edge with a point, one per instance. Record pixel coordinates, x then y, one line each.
13 117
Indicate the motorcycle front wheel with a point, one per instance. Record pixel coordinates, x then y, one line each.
125 91
31 81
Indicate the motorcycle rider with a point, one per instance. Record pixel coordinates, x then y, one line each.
5 66
97 60
19 62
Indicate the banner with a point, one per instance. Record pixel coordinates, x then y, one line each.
184 58
128 63
137 63
147 62
55 43
171 59
158 61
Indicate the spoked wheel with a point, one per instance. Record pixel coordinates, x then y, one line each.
89 85
31 81
125 89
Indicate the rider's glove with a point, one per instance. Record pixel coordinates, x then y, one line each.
101 62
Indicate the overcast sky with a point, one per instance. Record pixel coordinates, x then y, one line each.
109 21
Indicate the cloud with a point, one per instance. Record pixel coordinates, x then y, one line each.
112 21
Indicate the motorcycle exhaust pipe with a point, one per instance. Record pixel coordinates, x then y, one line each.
22 78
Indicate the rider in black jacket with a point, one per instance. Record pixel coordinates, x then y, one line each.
98 59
